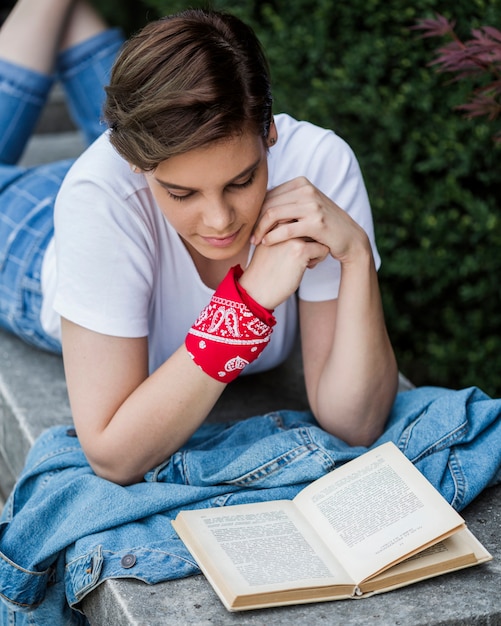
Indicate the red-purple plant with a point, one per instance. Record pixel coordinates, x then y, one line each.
476 58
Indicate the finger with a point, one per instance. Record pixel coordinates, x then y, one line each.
307 226
278 214
268 221
303 252
289 186
317 252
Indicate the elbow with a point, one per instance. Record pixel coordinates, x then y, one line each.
357 425
116 475
369 421
115 471
354 431
364 437
110 459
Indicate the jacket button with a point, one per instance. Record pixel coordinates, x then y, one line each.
128 561
71 432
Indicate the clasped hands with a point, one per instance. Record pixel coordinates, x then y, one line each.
297 228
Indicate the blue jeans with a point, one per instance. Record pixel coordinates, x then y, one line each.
27 195
64 530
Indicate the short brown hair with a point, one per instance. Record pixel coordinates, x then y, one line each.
184 81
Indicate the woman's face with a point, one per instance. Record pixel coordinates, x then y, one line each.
213 195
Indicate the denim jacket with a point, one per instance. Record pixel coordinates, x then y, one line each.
64 530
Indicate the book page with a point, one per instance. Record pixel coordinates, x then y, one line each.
456 552
259 547
375 510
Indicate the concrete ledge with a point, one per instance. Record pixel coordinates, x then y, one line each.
33 397
65 145
55 117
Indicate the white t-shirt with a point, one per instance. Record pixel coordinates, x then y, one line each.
117 266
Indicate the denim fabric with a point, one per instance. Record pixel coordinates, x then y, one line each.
84 71
26 227
22 97
64 530
27 195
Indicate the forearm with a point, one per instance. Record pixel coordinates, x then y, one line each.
154 421
358 381
118 406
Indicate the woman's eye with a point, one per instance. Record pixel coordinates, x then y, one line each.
185 195
245 183
178 197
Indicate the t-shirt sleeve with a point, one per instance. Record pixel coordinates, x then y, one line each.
330 164
105 259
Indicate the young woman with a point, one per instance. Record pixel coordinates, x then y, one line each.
193 239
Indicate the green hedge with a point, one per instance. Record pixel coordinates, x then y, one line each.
432 176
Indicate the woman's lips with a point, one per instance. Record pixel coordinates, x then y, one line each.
222 242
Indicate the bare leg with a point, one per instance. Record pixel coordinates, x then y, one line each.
84 22
35 30
32 32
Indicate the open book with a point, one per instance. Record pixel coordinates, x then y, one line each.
372 525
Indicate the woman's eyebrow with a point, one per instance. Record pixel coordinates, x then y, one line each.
167 185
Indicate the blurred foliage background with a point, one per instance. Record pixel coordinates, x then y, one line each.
433 177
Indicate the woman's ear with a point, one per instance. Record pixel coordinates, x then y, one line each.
272 134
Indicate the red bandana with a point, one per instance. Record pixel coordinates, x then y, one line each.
230 332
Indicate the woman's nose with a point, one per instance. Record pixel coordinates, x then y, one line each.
218 215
